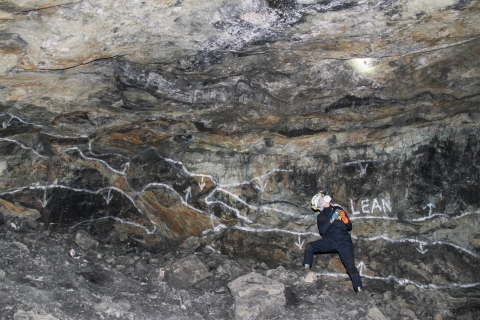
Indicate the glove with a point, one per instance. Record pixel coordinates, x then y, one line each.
344 217
335 216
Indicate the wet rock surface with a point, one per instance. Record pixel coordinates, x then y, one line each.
46 275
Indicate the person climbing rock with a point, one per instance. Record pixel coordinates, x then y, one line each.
334 226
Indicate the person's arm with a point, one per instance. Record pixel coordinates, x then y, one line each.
346 220
322 224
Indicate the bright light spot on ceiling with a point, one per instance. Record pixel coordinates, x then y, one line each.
363 65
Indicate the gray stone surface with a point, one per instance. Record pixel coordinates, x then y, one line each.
257 297
186 272
85 241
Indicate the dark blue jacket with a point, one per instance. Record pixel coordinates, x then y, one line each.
337 228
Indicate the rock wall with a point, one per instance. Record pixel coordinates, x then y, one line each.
161 120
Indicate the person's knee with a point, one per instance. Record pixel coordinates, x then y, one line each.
308 248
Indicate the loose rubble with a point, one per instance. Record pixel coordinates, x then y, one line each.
47 275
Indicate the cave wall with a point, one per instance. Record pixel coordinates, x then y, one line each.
160 120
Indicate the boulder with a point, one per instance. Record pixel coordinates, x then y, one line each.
257 297
190 244
310 277
375 314
287 277
85 241
185 272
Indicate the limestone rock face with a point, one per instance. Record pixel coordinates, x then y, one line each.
163 120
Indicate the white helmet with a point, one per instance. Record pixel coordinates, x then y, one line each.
327 199
317 201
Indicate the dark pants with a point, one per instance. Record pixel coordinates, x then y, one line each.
344 248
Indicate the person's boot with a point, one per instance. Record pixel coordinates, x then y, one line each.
307 275
305 269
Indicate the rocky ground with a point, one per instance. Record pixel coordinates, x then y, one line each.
47 275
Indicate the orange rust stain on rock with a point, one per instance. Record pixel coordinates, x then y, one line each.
122 184
303 143
13 210
156 138
269 119
14 50
131 137
179 219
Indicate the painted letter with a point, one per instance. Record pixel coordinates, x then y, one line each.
386 203
353 209
376 205
365 204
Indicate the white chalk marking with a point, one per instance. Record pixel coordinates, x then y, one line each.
256 178
363 168
237 212
24 147
361 267
45 201
420 249
299 244
209 247
109 196
188 193
254 230
166 186
404 281
374 217
184 169
423 243
7 124
430 206
217 229
57 186
353 209
125 167
94 159
365 203
376 205
104 154
119 220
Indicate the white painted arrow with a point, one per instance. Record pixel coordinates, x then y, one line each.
420 249
361 266
363 170
45 201
7 124
299 244
125 167
109 196
202 184
188 193
430 206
